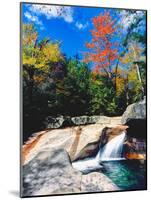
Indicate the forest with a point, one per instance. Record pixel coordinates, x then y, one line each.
104 80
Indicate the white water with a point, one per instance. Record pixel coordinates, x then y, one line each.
111 151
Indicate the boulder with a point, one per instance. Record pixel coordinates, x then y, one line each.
77 145
135 118
96 182
79 141
81 120
50 172
109 133
64 121
51 122
135 111
88 151
135 148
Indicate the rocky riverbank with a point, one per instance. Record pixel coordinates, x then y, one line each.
47 155
78 141
47 158
51 172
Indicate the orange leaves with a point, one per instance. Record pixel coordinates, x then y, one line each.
90 45
103 47
103 25
103 53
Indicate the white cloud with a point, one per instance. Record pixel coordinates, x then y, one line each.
33 18
81 26
64 12
49 11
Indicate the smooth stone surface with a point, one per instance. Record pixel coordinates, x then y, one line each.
104 120
80 141
51 172
135 111
95 182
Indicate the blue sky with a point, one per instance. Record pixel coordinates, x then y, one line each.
70 25
73 29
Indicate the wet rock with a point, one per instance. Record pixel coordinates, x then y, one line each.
109 133
136 156
135 148
90 150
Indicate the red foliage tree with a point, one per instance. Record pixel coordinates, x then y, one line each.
103 46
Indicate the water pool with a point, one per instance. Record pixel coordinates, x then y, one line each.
126 174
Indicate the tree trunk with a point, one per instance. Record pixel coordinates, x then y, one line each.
126 91
116 69
140 80
138 73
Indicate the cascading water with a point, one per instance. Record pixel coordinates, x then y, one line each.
111 151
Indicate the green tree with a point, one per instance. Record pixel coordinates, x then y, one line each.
134 44
37 58
76 86
132 59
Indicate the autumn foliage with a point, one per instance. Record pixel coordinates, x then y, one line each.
102 48
110 78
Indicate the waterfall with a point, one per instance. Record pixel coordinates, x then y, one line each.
111 151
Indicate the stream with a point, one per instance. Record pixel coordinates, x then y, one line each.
126 174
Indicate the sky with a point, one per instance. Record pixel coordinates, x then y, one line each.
69 25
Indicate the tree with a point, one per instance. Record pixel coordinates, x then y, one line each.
76 88
37 59
134 44
131 59
103 47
